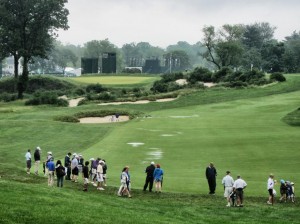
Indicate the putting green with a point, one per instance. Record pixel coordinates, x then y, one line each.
115 80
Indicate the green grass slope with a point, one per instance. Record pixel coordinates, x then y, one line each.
239 130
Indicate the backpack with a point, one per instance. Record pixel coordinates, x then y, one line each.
62 171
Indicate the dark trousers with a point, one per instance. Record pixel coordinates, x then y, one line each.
60 181
68 177
149 180
212 185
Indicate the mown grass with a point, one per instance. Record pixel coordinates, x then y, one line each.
37 203
240 130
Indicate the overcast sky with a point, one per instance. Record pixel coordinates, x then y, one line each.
165 22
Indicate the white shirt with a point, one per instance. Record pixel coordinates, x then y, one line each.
270 183
28 156
100 169
239 183
74 163
228 181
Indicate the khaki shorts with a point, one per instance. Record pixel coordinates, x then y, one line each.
227 191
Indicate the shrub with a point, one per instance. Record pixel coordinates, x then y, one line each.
79 91
172 77
106 97
220 75
96 88
7 97
159 87
71 119
46 97
200 74
277 76
7 85
131 70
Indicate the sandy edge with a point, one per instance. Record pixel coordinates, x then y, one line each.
101 120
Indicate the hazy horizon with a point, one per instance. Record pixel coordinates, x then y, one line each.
165 22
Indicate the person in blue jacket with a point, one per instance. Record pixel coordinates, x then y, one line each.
51 168
158 177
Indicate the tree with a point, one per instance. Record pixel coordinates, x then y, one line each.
30 27
223 47
292 52
180 60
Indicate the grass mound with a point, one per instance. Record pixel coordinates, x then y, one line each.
293 118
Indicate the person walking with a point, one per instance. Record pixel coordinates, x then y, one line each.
270 188
228 182
68 166
158 177
37 160
100 176
74 168
239 186
211 174
60 173
124 179
28 161
149 177
51 170
85 175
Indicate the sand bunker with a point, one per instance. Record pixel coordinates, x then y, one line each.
101 120
74 102
137 102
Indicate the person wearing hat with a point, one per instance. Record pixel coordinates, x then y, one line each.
100 175
283 190
149 177
37 160
51 170
28 161
49 156
271 189
211 174
228 182
239 186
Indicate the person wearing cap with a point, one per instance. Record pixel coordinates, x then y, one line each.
37 160
283 190
49 156
158 178
228 182
270 188
211 174
51 170
149 177
239 186
68 166
100 176
28 161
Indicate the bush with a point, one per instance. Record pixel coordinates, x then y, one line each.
200 74
159 87
7 97
7 85
132 71
71 119
106 97
277 76
220 75
47 97
172 77
79 91
96 88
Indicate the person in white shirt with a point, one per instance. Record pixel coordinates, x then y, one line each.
270 188
28 160
239 186
100 175
228 182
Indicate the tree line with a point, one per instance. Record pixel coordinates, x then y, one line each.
28 32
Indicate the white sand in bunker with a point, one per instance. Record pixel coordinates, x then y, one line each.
138 102
101 120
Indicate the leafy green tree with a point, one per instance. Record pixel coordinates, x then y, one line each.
30 27
223 47
180 60
292 52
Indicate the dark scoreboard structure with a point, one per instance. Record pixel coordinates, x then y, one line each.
109 63
89 65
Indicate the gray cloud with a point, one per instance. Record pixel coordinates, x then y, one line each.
164 22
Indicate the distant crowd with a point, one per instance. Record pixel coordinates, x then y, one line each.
94 172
